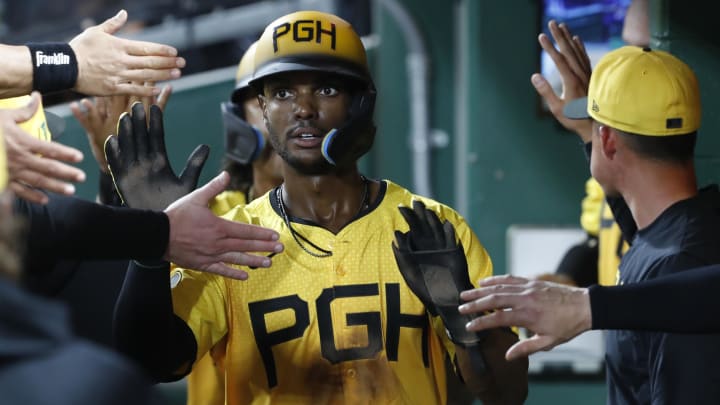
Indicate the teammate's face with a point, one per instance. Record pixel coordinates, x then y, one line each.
269 162
299 109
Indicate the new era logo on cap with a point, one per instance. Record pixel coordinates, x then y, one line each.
595 107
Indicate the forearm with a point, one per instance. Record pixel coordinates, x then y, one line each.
71 228
653 305
503 382
145 327
17 77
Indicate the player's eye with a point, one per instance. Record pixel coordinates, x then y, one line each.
328 91
281 94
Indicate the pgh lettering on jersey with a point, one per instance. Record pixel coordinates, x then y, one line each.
57 58
340 329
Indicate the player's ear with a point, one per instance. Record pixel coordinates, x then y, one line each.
608 141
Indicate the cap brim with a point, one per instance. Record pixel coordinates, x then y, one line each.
55 123
576 109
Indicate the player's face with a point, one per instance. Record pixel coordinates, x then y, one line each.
300 108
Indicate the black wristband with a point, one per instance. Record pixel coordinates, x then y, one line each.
55 66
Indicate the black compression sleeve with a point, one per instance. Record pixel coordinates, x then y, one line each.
621 212
71 228
684 302
145 327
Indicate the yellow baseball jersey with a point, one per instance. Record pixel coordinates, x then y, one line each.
206 382
338 329
611 247
597 220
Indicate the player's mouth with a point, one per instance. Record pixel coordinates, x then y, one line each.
306 137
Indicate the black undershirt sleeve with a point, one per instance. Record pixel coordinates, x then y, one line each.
145 327
684 302
72 228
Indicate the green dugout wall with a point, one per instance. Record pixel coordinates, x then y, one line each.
505 163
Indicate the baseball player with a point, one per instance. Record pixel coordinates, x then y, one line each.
361 305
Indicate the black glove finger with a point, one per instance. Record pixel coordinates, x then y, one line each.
449 231
425 228
193 167
401 241
114 160
414 235
156 143
140 135
126 141
430 218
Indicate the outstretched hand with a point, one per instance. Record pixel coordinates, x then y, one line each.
110 65
434 266
555 312
139 163
33 163
99 116
574 66
199 240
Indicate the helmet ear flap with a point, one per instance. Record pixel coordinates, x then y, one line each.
243 142
344 146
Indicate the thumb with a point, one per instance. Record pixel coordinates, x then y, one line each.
26 112
193 167
529 346
112 24
217 185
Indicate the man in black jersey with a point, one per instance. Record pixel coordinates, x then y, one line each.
645 111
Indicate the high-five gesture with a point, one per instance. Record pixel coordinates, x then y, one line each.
139 163
573 63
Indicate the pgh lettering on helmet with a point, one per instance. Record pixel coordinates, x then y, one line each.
322 42
303 31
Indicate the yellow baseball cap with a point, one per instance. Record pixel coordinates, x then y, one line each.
642 91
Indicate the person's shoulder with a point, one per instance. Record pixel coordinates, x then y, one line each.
401 196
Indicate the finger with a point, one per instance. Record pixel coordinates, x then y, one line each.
246 259
140 130
157 133
224 270
46 167
564 41
423 216
113 24
433 224
586 58
529 346
164 96
482 292
545 90
143 48
43 181
27 193
248 245
125 142
80 114
212 188
503 279
247 232
153 62
112 154
53 150
411 218
194 165
557 58
27 111
497 319
130 89
151 75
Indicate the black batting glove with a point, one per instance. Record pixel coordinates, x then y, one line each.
139 164
434 266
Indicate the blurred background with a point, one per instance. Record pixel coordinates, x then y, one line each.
457 117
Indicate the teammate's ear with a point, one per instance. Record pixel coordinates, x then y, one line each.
261 100
608 141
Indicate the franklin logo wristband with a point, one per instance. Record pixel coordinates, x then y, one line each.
55 66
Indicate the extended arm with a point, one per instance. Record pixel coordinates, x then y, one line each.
145 327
